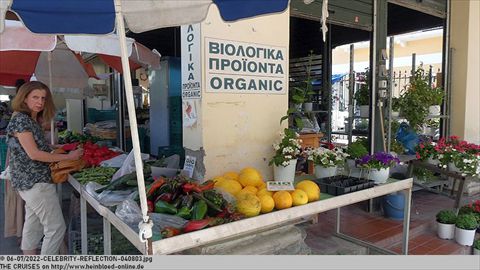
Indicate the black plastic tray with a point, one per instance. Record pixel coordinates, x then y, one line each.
340 184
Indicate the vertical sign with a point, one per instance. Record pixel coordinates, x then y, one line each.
189 165
191 65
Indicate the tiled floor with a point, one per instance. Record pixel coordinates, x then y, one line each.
356 221
387 233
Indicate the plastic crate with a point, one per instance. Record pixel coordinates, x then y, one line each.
340 184
120 245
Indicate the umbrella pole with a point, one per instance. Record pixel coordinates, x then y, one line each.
145 227
52 126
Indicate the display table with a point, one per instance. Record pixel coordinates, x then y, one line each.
246 226
311 140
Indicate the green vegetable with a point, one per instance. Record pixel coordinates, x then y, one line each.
165 208
199 210
185 212
120 183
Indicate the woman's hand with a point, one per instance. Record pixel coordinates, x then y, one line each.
75 154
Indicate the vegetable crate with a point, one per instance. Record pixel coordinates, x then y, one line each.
120 245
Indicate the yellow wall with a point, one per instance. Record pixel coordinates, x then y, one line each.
238 130
465 79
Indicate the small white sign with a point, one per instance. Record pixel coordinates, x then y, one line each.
189 113
279 185
189 165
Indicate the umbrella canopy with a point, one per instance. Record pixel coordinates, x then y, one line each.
98 16
23 54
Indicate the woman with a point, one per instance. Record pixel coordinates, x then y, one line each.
29 167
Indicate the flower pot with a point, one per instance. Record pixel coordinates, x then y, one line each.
434 110
395 114
352 169
287 173
364 111
445 231
464 237
433 161
322 172
307 106
453 168
378 176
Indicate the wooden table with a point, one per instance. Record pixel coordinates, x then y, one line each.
311 140
246 226
455 175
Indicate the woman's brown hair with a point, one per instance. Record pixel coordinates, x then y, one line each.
19 105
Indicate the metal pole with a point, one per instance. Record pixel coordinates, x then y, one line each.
414 56
373 79
390 93
350 94
406 220
132 116
447 52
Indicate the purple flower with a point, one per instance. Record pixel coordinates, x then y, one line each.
378 160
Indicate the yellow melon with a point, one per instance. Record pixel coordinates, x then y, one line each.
249 205
251 189
230 186
262 185
267 203
264 191
311 188
250 177
282 199
231 175
217 179
299 197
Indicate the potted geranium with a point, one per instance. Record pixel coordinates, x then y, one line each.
325 161
446 224
465 227
378 165
425 151
287 150
472 208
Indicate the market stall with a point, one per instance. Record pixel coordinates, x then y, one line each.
247 226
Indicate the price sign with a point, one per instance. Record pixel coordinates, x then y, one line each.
279 185
189 165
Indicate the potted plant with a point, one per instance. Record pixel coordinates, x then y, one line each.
446 224
425 151
416 99
355 150
396 105
325 161
378 165
465 227
435 100
476 247
287 150
472 208
362 95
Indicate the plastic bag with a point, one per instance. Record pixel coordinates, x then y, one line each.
130 213
408 138
108 197
128 165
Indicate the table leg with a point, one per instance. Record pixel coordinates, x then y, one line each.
83 224
406 220
459 193
107 237
337 221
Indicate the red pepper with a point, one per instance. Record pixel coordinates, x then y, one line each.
194 225
207 185
70 146
155 185
166 197
150 205
169 232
